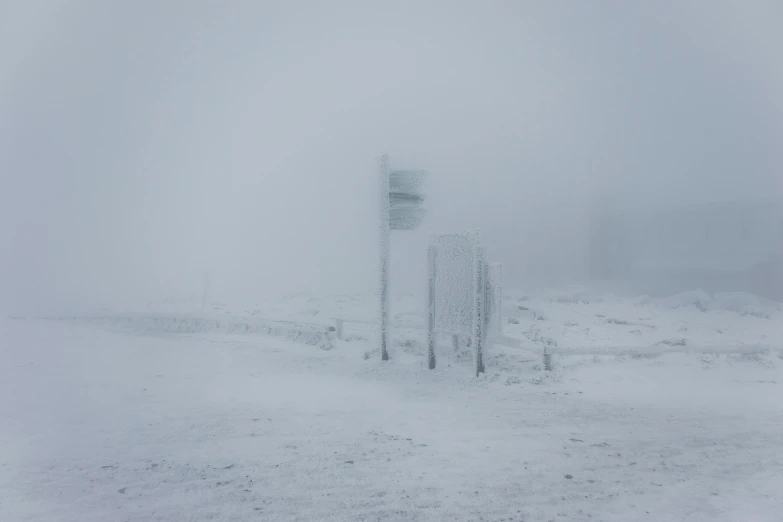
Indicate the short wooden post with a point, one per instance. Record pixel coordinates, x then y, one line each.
339 328
431 307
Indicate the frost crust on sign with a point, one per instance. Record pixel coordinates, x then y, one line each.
454 281
494 300
405 198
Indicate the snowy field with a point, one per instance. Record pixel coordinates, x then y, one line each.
126 420
574 320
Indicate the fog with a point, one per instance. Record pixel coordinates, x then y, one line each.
144 143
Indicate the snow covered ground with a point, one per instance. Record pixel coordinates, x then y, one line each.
116 421
574 320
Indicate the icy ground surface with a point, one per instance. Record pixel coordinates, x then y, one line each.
103 423
568 319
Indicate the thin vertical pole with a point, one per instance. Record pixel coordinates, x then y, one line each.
478 307
485 293
205 294
431 306
385 233
339 325
499 300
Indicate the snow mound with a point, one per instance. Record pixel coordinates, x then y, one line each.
745 304
698 298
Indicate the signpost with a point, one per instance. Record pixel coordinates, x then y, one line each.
465 294
405 199
456 292
401 209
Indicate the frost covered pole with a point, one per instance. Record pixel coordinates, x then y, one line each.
205 294
478 307
401 209
499 298
385 233
431 306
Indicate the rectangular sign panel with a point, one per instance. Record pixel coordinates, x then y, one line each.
406 181
405 199
454 292
406 218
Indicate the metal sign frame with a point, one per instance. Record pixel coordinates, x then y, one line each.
401 209
472 309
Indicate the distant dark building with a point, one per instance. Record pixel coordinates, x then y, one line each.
732 246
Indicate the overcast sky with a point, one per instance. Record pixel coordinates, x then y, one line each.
142 143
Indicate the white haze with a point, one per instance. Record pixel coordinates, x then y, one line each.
143 143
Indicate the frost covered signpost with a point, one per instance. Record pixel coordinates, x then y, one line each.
401 209
456 300
464 294
464 291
